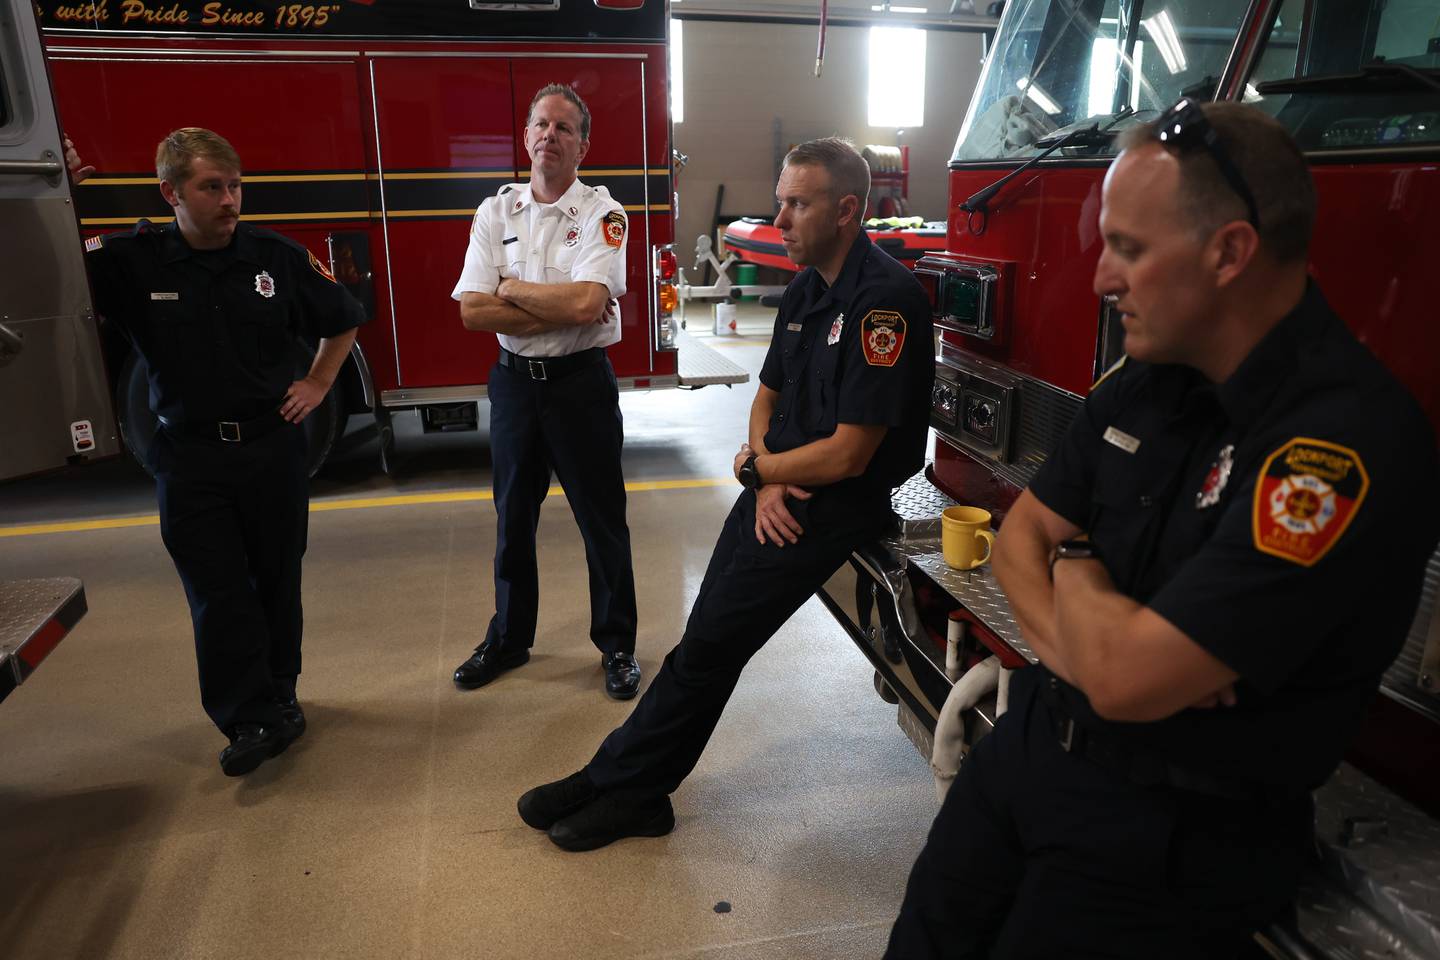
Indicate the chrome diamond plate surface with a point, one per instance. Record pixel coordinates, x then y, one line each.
26 605
699 365
1385 853
919 504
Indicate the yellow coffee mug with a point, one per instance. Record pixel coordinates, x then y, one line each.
962 530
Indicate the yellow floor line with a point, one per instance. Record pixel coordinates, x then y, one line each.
357 503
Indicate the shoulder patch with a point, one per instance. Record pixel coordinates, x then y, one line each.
614 228
93 244
320 268
1307 493
504 190
882 337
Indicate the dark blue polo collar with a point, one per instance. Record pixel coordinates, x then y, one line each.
843 290
174 248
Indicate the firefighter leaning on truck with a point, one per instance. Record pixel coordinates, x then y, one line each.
1214 569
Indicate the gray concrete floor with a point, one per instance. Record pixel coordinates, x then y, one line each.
390 829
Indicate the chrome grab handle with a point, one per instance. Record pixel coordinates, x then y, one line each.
51 170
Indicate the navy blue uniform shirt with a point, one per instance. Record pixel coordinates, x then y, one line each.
859 352
217 328
1281 520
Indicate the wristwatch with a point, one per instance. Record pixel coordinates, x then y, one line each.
1074 550
749 476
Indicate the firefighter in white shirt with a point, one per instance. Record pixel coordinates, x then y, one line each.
543 271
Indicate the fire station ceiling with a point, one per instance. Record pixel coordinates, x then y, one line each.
955 14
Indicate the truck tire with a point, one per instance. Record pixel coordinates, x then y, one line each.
138 424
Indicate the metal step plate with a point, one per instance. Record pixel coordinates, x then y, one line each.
701 366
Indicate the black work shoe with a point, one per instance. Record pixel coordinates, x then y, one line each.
549 802
487 663
251 745
622 675
614 816
292 720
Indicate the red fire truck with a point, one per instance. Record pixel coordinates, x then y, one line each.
370 132
1024 336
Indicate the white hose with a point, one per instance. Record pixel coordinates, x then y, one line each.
977 682
1002 696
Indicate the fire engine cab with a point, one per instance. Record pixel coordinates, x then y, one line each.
1024 336
370 132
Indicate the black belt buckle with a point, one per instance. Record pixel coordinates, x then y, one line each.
537 369
230 431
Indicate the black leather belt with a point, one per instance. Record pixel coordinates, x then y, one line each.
226 431
550 368
1141 768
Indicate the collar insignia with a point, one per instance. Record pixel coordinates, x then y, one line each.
1216 479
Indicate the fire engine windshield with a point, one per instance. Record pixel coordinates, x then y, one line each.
1058 65
1349 75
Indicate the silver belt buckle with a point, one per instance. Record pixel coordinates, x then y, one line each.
537 369
230 431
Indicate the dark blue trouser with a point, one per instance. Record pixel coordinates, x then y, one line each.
235 519
1039 853
748 593
572 425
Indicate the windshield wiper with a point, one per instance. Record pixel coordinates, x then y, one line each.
1378 76
1091 136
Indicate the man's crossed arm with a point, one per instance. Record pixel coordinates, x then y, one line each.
520 308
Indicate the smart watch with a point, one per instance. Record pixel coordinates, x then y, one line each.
1074 550
749 476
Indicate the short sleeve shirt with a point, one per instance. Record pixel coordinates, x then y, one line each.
217 329
1281 520
579 237
859 352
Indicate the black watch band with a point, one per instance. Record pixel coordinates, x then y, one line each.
749 475
1074 550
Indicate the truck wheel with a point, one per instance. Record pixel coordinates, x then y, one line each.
138 424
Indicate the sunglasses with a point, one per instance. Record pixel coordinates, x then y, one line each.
1184 126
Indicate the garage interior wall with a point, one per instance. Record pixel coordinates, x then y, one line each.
750 93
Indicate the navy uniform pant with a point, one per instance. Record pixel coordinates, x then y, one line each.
1040 853
750 589
571 425
234 518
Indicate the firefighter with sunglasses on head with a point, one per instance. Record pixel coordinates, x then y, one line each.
1214 569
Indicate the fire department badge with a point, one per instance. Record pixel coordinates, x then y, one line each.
573 237
614 228
1307 493
1216 479
320 268
265 284
882 335
835 327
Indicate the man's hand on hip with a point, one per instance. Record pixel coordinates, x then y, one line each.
303 396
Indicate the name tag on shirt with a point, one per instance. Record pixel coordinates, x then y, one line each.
164 296
1121 439
508 240
794 327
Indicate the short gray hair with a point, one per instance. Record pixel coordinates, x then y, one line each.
1272 166
568 92
849 173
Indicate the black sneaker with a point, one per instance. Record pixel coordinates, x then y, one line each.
251 745
292 720
614 816
622 675
545 804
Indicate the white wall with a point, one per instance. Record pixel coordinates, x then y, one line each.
741 79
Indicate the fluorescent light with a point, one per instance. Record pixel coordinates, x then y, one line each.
1041 98
897 77
886 8
1162 30
1251 94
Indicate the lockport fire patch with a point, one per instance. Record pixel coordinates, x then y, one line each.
614 228
1307 493
882 336
320 268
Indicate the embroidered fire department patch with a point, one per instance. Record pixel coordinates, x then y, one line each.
572 237
835 329
614 228
882 335
1307 493
320 268
93 244
265 284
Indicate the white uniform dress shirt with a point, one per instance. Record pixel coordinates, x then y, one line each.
581 236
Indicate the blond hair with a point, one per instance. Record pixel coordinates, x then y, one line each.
176 154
